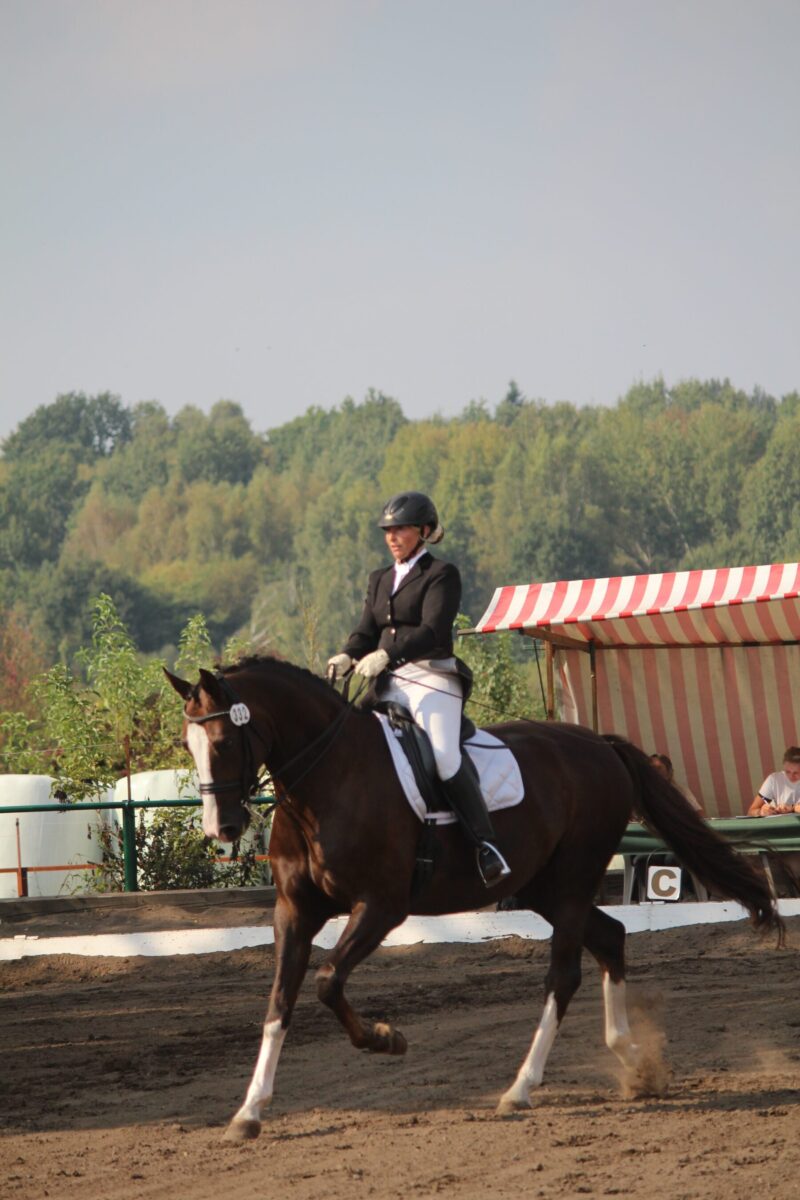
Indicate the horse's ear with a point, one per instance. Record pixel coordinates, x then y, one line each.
210 684
182 686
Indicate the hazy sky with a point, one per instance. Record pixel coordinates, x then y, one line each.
285 202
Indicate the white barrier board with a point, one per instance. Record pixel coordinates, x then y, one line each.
461 927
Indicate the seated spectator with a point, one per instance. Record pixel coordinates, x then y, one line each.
780 791
663 764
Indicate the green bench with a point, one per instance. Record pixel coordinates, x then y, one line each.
763 836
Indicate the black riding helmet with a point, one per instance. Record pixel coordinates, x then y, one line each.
412 508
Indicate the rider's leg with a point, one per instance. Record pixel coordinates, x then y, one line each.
435 700
467 802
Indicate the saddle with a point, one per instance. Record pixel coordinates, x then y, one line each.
417 748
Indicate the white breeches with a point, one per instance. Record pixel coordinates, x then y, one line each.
431 690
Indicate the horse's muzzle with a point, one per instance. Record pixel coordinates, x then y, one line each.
224 820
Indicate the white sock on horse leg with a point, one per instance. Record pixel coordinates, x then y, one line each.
259 1092
531 1072
618 1032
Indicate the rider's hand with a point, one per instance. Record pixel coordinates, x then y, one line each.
339 665
372 664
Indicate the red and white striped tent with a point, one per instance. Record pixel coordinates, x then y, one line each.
701 665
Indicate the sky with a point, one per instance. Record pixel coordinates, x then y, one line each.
288 202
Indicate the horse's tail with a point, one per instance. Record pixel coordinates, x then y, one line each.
707 855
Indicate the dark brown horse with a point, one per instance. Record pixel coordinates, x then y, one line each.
344 841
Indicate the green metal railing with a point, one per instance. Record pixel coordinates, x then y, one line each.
747 834
128 807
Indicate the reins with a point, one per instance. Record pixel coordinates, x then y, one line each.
251 781
477 703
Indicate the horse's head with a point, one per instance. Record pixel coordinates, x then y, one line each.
215 734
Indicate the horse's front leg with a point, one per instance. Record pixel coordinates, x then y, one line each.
294 930
368 925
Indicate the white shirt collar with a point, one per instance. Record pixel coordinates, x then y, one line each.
403 568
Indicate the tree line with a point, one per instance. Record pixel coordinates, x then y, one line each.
270 534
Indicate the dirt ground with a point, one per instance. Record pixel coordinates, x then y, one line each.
119 1075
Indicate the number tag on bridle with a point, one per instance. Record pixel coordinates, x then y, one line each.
240 714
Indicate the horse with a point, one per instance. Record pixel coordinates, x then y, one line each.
344 841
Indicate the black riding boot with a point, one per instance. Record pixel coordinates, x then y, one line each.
464 794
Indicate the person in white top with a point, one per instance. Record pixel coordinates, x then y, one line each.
780 791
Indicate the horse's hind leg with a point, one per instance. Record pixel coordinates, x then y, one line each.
294 931
645 1071
562 981
605 940
364 932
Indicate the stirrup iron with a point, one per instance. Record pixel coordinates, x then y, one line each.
492 867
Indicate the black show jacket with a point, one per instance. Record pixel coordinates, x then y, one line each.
417 621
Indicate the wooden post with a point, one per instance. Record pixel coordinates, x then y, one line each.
22 874
549 656
593 674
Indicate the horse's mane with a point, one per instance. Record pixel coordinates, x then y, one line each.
281 668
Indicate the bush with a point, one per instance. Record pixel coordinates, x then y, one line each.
173 852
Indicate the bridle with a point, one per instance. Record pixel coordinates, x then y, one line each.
251 781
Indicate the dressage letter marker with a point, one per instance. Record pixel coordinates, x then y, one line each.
664 883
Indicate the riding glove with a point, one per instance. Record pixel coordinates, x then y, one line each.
372 664
340 664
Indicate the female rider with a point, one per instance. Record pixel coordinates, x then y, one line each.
404 640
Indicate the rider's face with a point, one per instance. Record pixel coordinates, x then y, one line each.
402 541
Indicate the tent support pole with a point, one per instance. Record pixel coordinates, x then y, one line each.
593 675
549 656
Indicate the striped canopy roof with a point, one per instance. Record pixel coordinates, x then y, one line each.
701 665
727 606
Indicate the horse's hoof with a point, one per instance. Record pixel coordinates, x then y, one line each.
386 1040
242 1131
509 1106
399 1043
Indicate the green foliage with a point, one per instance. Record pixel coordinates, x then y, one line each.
37 496
194 648
145 461
61 598
172 852
500 689
272 536
771 494
121 681
18 752
220 448
74 742
94 426
351 439
90 727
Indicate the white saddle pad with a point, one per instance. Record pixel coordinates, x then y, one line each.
498 772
